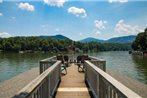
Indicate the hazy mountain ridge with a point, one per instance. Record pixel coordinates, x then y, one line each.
55 37
91 39
122 39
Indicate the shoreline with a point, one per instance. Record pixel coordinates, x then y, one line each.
9 88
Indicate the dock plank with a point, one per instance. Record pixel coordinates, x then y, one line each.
72 84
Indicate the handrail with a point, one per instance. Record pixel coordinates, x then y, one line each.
95 58
42 83
100 63
105 86
46 63
48 59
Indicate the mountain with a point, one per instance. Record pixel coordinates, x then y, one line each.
90 39
55 37
123 39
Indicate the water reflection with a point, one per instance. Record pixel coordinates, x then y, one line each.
141 66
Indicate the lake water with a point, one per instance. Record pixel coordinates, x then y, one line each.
134 66
12 64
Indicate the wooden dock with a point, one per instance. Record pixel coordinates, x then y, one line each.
72 84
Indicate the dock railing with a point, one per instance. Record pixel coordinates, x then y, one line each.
43 86
46 63
102 85
100 63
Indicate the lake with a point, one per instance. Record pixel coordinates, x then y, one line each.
12 64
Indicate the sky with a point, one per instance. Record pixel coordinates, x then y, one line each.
76 19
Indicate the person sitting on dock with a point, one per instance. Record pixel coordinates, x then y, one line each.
64 64
66 59
80 62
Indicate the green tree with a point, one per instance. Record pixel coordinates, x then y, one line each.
140 42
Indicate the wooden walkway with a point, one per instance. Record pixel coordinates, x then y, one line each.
72 84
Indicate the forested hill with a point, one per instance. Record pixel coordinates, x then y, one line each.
90 39
140 43
55 37
36 44
122 39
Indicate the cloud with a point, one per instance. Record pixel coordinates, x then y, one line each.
123 28
57 30
100 24
1 14
13 18
120 1
79 12
58 3
1 1
45 26
80 34
97 33
26 6
4 35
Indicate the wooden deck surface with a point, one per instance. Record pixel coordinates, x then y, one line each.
72 84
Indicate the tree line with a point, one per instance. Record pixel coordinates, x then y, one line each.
95 46
53 45
140 42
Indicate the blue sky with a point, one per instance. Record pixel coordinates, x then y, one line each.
75 19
